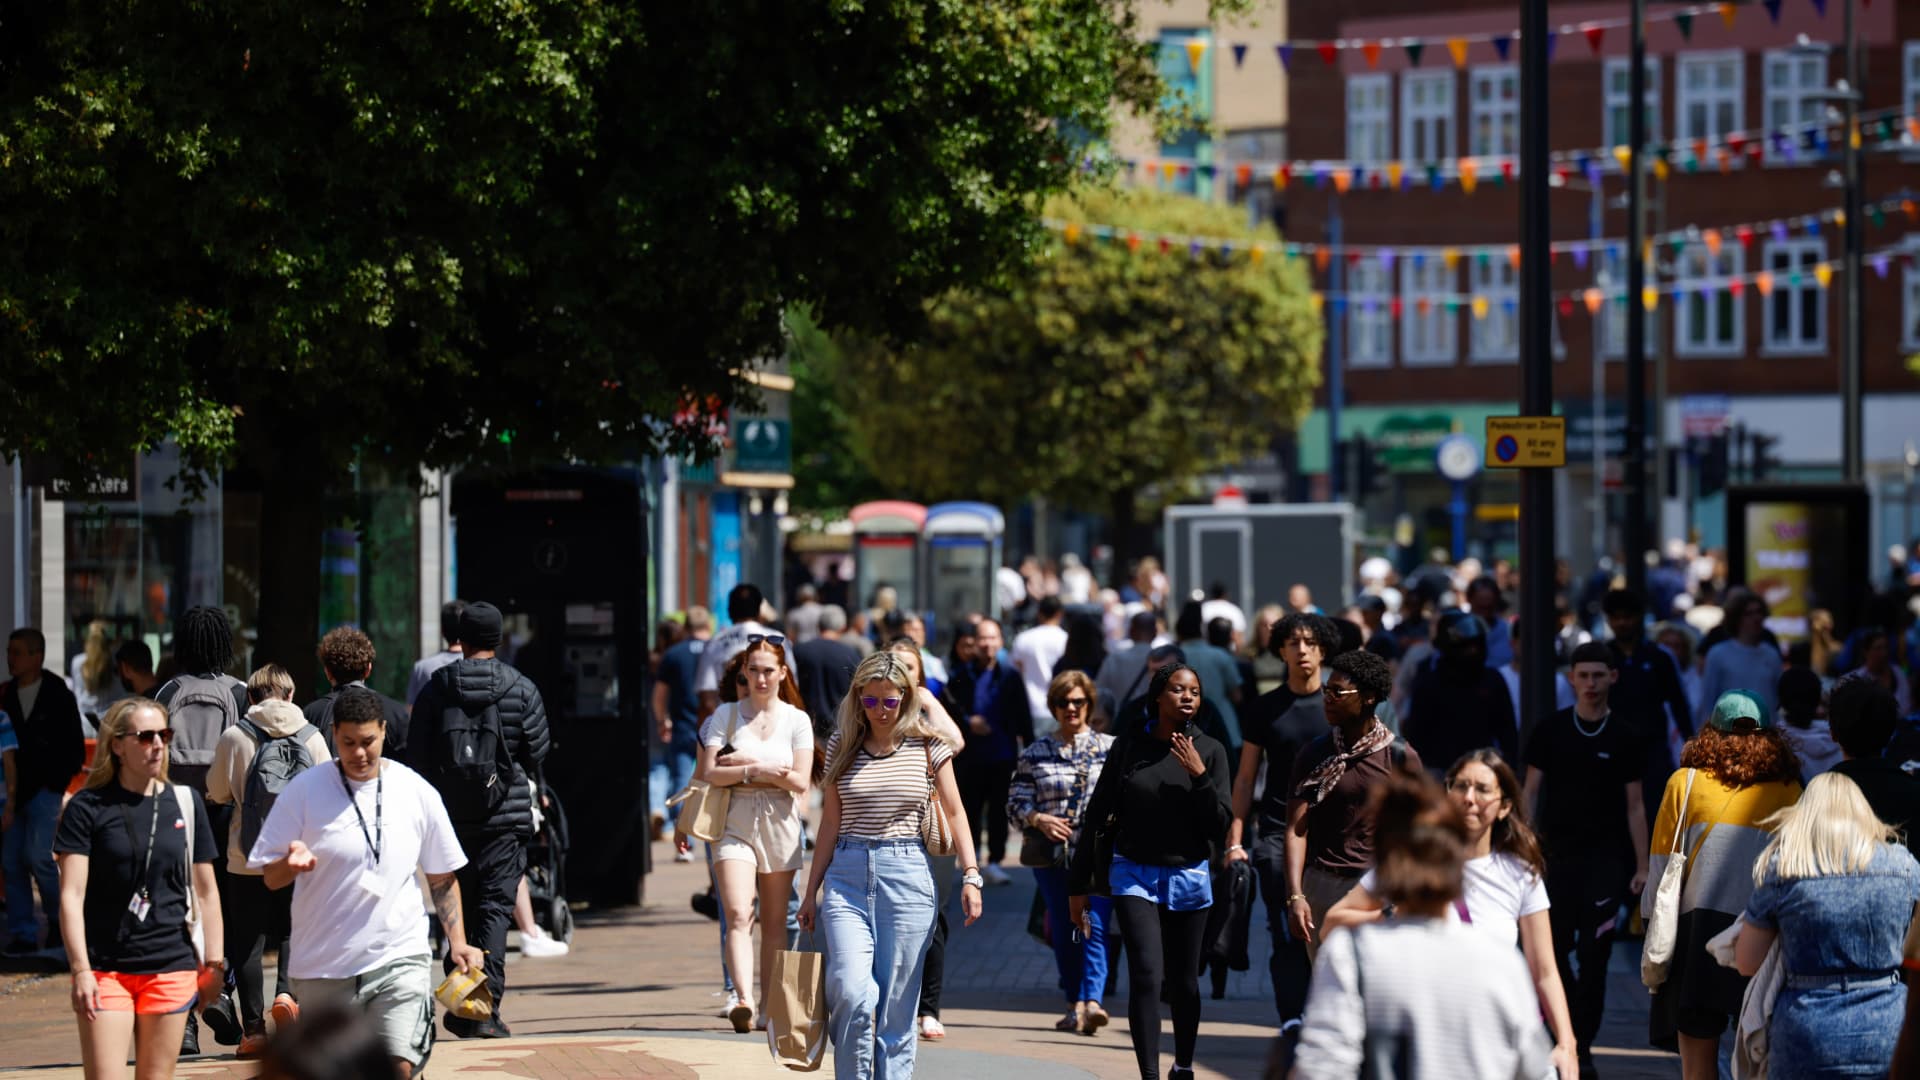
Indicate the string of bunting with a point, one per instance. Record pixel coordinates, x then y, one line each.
1458 46
1715 238
1786 143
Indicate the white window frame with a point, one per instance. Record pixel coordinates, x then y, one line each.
1376 118
1910 77
1790 105
1496 338
1432 339
1613 98
1369 329
1710 99
1430 123
1502 114
1910 299
1693 264
1796 342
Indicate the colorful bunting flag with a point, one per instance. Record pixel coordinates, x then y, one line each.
1503 45
1823 273
1239 54
1196 48
1763 281
1773 10
1458 48
1684 21
1371 50
1328 52
1469 175
1728 13
1286 55
1595 35
1414 48
1592 298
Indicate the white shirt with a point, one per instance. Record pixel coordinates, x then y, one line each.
1224 609
342 926
1499 891
791 732
1035 652
726 645
29 695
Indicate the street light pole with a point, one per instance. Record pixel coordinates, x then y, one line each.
1336 353
1536 369
1852 467
1634 463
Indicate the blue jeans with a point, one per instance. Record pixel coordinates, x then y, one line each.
878 911
669 770
29 859
1083 964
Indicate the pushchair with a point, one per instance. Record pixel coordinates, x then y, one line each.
547 867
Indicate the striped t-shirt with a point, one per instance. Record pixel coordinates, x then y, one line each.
881 798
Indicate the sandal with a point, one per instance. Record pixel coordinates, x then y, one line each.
931 1029
1069 1022
1093 1018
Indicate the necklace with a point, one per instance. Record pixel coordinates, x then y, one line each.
1596 731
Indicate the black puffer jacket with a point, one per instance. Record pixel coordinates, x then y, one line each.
473 685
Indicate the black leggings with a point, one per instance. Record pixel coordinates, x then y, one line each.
1163 955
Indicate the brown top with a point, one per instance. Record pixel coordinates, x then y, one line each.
1339 829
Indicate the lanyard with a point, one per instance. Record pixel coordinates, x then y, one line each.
378 835
153 834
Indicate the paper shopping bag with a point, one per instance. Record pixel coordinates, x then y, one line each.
797 1010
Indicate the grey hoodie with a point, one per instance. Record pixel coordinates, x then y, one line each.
233 756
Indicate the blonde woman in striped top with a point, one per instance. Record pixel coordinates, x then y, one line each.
878 907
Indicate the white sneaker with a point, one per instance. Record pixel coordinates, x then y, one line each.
993 875
539 946
733 1002
683 856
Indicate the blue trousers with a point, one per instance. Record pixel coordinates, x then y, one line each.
1083 964
669 770
29 861
878 912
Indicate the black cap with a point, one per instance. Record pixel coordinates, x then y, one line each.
480 627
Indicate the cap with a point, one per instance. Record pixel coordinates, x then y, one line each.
480 626
1735 706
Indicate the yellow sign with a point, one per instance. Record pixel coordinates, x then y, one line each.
1526 442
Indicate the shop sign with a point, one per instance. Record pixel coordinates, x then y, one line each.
1407 442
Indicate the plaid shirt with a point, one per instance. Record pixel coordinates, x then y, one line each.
1045 779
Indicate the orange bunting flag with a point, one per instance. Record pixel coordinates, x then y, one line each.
1726 161
1910 208
1167 170
1913 127
1660 169
1593 300
1256 253
1133 241
1321 257
1823 274
1280 177
1371 50
1196 48
1458 48
1450 257
1728 13
1650 298
1764 282
1712 237
1071 233
1393 174
1342 180
1422 305
1513 255
1469 175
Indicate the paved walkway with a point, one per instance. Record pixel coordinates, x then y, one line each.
639 998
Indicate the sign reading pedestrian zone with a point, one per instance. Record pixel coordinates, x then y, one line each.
1526 442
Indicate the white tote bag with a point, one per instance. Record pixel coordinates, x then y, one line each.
1657 953
184 796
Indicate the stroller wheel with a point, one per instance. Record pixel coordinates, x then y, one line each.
560 920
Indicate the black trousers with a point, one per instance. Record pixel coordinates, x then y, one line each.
257 919
1586 892
1289 968
487 886
983 794
1163 962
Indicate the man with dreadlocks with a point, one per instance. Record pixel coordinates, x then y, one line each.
202 702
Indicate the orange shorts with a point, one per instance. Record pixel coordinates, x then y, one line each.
147 995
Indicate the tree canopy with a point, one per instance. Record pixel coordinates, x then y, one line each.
1102 370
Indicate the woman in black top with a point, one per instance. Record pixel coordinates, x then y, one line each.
130 847
1157 816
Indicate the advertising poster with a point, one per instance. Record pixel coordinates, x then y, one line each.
1792 559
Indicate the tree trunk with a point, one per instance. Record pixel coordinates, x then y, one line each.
1132 539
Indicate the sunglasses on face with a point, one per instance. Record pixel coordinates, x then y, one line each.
147 738
876 702
1332 691
1074 704
755 639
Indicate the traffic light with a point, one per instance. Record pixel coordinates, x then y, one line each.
1712 465
1765 460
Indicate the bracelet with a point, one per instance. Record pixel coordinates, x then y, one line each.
1296 896
1236 847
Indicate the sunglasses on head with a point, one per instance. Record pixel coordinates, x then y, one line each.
165 735
876 702
755 639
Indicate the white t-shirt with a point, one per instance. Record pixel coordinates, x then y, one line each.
1035 652
1224 609
791 732
344 922
1500 891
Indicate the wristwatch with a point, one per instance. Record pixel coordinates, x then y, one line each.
973 878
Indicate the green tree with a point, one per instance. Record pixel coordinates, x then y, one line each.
293 235
828 476
1102 371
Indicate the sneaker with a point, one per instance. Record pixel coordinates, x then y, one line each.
539 946
733 1002
460 1027
707 904
285 1010
994 875
494 1028
190 1039
683 856
223 1019
932 1029
742 1017
253 1044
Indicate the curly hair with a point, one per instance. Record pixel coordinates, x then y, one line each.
346 652
1317 627
1368 673
1742 758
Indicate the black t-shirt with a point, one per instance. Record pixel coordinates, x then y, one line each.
1282 723
110 826
1583 805
319 713
1890 790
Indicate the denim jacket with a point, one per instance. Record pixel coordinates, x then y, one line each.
1841 924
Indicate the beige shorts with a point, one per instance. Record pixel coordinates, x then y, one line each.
763 828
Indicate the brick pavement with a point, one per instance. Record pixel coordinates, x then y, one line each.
638 998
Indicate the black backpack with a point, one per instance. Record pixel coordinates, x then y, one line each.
469 762
276 761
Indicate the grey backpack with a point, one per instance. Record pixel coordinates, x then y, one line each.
277 759
202 709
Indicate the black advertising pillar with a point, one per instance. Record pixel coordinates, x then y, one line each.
1536 366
